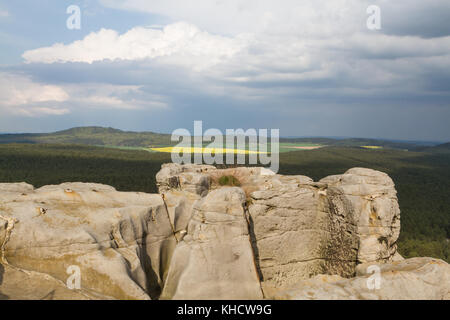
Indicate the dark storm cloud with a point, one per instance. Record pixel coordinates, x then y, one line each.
427 19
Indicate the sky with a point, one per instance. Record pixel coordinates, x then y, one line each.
306 67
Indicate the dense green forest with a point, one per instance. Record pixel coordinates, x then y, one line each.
422 178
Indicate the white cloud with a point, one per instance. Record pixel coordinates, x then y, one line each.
22 96
176 43
47 110
4 13
107 96
294 16
242 16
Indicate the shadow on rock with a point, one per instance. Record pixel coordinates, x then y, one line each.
2 271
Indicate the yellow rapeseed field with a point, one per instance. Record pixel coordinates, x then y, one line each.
372 147
205 150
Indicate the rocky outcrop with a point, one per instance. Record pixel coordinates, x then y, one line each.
272 236
300 228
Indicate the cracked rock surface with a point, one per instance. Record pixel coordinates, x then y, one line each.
272 236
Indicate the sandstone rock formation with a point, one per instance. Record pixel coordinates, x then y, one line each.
115 238
299 228
412 279
273 236
215 257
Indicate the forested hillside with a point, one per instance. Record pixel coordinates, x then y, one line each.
91 136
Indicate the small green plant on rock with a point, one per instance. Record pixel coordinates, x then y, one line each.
231 181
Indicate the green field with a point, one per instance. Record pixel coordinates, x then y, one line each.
291 146
422 178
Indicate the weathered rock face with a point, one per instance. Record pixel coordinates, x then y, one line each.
369 199
270 237
296 234
412 279
300 228
188 178
122 242
215 257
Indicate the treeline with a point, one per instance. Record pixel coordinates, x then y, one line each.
41 165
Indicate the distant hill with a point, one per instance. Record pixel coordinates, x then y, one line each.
91 136
441 148
444 146
100 136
